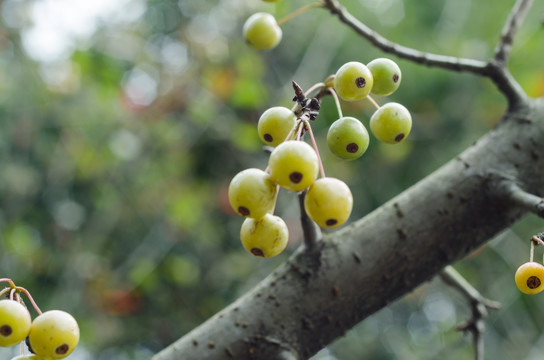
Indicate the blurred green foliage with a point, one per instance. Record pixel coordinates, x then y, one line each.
116 156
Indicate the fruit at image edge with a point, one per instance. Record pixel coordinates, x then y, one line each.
262 31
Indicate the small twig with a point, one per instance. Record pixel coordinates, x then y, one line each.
493 69
511 27
479 304
524 199
443 61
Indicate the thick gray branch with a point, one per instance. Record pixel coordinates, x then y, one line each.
320 293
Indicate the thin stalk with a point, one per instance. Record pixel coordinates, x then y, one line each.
11 283
27 293
293 129
321 168
373 102
336 101
537 239
299 11
313 87
4 291
299 131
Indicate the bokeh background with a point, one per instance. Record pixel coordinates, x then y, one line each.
122 123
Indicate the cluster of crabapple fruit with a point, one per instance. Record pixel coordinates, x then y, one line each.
294 164
390 123
51 335
529 276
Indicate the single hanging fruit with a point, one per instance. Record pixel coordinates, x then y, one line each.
328 202
348 138
391 123
14 322
262 31
266 237
293 165
252 193
353 81
386 74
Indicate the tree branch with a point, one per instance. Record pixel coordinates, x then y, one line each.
495 70
420 57
523 199
478 303
512 25
316 296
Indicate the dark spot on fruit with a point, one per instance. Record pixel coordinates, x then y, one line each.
63 349
295 177
5 330
360 82
352 148
257 252
399 137
533 282
395 78
268 137
331 222
243 210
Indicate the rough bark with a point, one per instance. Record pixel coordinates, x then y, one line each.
318 294
324 290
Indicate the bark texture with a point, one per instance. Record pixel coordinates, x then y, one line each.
320 293
324 290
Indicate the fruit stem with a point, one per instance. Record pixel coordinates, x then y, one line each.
4 291
336 101
293 129
299 11
313 87
300 129
315 148
373 102
536 239
532 251
27 293
11 283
